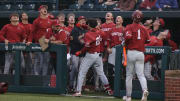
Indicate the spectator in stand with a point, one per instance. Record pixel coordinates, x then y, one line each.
126 5
166 4
95 2
111 5
110 2
147 4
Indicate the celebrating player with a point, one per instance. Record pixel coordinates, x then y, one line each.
12 33
29 36
150 59
115 38
40 26
136 36
77 44
93 58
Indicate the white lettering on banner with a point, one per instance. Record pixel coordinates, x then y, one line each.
155 50
17 47
36 47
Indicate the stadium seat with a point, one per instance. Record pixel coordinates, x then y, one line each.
88 7
100 7
29 7
74 7
111 7
5 7
17 7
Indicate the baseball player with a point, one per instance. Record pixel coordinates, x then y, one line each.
12 33
76 44
107 26
148 25
93 58
29 36
150 59
40 26
71 21
61 19
68 29
56 35
115 38
136 36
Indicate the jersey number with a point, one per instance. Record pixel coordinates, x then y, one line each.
98 40
139 34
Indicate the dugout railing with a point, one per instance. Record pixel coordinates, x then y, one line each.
155 87
17 78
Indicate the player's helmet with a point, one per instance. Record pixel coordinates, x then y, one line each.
137 16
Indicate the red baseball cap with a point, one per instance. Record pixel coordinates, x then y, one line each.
42 6
161 21
81 17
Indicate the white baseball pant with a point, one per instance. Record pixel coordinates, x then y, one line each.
135 62
89 60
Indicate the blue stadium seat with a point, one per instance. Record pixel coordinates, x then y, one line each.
111 7
100 7
74 7
17 7
88 7
5 7
29 6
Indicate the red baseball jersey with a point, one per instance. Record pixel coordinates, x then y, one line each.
13 33
92 41
69 28
148 3
172 44
103 38
68 33
154 41
136 36
149 31
61 35
39 28
106 27
28 30
116 36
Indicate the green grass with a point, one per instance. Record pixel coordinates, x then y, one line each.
46 97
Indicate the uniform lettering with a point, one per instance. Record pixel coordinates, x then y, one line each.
98 40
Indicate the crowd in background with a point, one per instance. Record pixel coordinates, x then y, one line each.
91 5
126 5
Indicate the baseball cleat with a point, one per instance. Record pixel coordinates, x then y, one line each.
125 98
77 94
145 94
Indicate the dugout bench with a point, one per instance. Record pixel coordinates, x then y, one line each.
156 87
17 79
